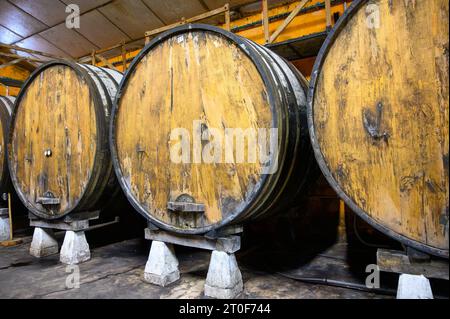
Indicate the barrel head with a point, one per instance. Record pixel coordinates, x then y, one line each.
54 140
379 117
176 104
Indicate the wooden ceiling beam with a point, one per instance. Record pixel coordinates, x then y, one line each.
288 20
12 62
12 55
17 48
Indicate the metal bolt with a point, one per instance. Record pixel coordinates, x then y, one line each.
48 153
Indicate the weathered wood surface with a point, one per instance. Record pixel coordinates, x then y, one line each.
379 117
400 263
194 74
220 86
59 138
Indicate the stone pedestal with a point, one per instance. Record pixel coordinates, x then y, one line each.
162 265
43 243
414 287
4 225
75 248
224 279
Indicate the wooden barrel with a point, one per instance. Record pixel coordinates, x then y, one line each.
209 84
6 107
59 157
378 114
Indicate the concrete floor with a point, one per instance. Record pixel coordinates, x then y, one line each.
116 271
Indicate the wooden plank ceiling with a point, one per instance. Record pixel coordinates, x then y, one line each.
40 24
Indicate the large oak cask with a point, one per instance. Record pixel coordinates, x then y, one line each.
187 101
59 157
6 108
378 114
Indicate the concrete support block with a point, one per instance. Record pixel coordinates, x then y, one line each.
224 279
75 248
162 265
43 243
4 228
414 287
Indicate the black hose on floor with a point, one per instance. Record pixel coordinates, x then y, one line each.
347 285
340 284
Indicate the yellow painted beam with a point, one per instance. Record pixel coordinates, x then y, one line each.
14 72
301 25
265 20
288 20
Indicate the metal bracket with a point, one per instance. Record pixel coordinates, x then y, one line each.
48 199
372 123
186 207
185 203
